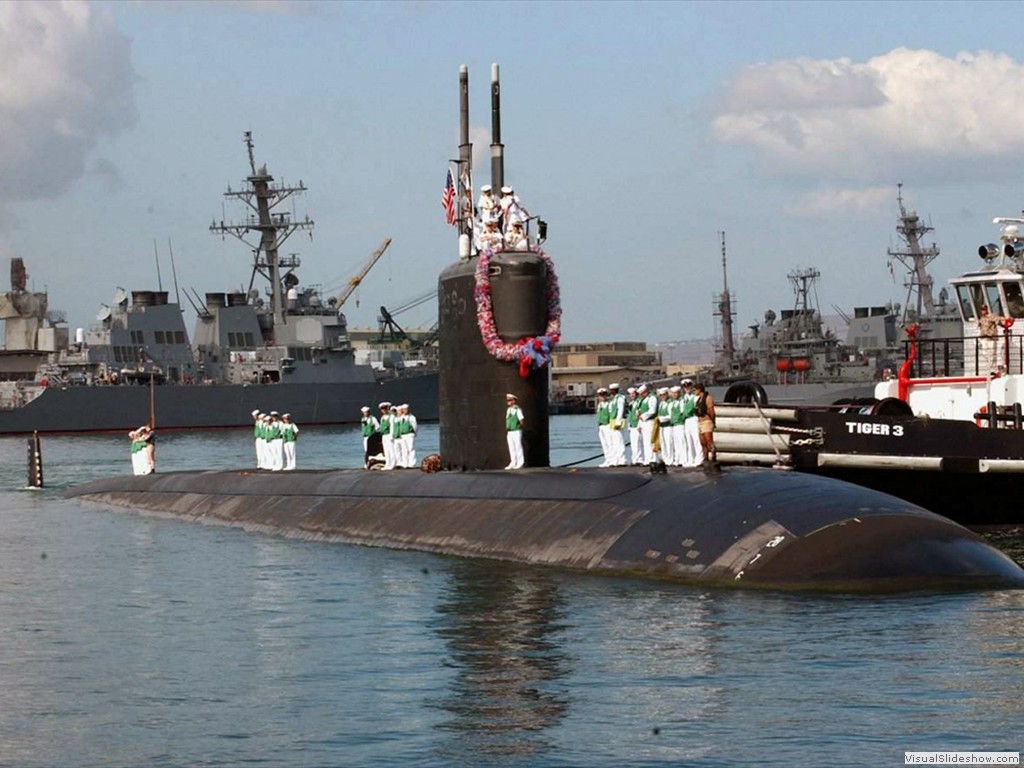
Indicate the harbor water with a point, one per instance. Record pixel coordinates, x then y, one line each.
146 641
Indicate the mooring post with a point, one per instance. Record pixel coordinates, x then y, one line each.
35 462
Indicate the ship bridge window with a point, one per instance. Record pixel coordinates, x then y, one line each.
179 337
1014 299
964 297
159 335
995 301
138 337
232 339
249 341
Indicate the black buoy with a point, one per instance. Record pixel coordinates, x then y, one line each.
35 462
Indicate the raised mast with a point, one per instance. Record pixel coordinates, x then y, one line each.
915 259
262 196
497 148
725 312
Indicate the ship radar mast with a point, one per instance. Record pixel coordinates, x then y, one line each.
724 311
262 196
806 318
915 258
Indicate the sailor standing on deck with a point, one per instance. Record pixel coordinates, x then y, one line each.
408 437
675 412
511 208
617 415
636 439
665 426
289 434
257 442
487 206
692 454
604 426
515 238
138 444
369 425
491 238
384 427
648 415
275 442
514 430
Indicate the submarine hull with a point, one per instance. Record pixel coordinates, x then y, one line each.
743 527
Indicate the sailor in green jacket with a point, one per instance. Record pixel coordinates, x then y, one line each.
407 435
369 425
275 442
617 423
603 426
385 432
636 439
693 455
675 412
289 434
514 430
257 442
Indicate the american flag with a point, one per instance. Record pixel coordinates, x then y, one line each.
448 199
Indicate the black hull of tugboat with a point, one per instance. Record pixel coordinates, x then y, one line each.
973 475
117 408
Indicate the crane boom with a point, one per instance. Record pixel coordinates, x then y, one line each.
355 281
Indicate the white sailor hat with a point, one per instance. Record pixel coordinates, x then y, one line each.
602 391
384 404
517 223
274 413
613 385
510 396
642 388
286 416
687 382
404 405
365 409
506 190
485 188
256 412
675 388
631 390
662 390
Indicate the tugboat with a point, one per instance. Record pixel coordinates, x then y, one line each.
945 432
285 348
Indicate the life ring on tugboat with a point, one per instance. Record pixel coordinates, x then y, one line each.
982 411
746 392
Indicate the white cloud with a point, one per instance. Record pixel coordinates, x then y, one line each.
66 79
839 200
866 121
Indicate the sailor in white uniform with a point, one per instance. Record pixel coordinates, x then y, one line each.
515 238
693 455
275 442
648 415
511 208
256 437
491 238
604 426
487 207
617 414
665 427
408 436
289 434
514 430
385 434
636 439
369 425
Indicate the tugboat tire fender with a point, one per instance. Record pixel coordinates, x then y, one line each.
746 392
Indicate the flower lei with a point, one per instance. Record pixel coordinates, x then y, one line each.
532 352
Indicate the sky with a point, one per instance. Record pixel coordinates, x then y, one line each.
637 130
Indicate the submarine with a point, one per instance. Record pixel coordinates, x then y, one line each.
499 316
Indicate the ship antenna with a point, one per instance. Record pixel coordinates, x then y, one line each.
156 256
174 273
252 156
725 312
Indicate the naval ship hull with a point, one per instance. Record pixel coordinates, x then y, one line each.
116 408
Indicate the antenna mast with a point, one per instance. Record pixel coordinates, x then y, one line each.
915 259
724 311
262 196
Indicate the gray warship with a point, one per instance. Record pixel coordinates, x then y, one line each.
285 347
795 359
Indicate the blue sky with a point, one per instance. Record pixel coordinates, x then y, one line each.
637 130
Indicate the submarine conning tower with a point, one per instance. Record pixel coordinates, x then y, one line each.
491 303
